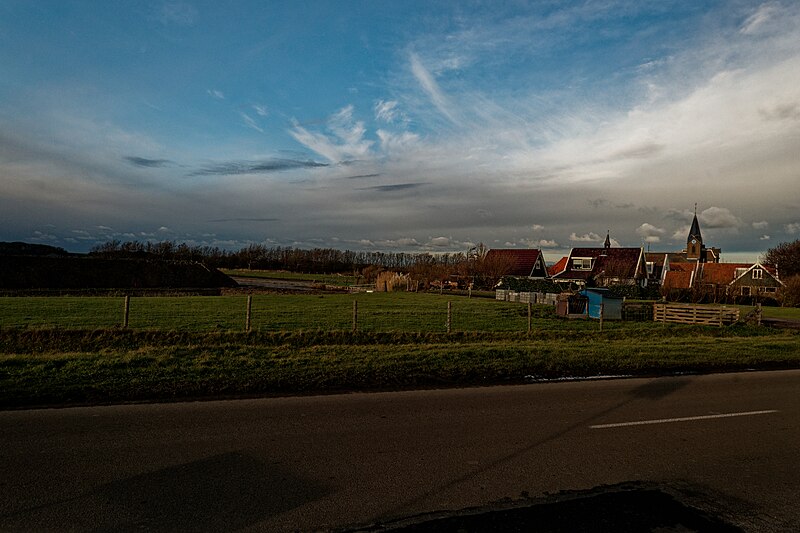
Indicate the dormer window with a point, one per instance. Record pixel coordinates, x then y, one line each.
581 263
758 273
650 267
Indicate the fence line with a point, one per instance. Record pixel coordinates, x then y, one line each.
695 314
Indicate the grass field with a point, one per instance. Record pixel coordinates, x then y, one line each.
327 279
71 350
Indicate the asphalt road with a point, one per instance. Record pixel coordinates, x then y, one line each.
727 444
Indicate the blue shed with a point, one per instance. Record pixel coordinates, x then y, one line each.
612 305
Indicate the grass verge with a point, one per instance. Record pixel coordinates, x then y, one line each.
45 367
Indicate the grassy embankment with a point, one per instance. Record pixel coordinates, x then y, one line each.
72 350
341 280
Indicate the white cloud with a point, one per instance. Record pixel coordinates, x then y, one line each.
587 237
392 143
214 93
792 228
346 142
761 225
250 123
717 217
545 243
760 18
387 111
431 88
537 227
764 238
261 110
650 233
440 242
179 13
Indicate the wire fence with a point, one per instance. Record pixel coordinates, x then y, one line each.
398 312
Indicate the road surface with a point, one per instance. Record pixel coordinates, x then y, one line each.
727 444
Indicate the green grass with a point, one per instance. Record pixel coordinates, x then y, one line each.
72 350
89 367
328 279
407 312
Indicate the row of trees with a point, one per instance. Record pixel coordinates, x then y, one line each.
456 268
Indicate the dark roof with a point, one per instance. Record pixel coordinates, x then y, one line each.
694 231
522 261
613 262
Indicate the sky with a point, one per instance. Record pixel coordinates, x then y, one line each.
401 126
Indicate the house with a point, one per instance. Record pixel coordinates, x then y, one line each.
519 263
735 280
722 281
602 266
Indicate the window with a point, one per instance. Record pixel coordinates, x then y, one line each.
650 266
739 272
758 273
582 263
771 289
745 291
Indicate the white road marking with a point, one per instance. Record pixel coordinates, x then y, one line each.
683 419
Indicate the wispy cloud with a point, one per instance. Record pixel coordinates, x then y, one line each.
250 123
180 13
431 88
147 163
393 188
345 140
254 167
245 220
261 110
586 237
215 93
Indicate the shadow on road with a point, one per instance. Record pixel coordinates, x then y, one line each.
220 493
654 390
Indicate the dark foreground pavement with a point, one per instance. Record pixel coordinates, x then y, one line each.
699 453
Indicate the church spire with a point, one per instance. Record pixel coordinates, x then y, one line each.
607 244
694 242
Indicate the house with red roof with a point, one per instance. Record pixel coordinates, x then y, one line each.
527 263
721 282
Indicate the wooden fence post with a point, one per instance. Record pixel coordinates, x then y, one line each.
126 312
355 315
758 314
248 314
530 308
601 316
449 316
721 309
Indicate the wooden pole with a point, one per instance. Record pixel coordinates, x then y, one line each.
126 311
602 306
758 314
530 308
449 316
249 313
355 315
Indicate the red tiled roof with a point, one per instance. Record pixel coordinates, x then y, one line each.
558 267
523 261
677 279
682 267
725 273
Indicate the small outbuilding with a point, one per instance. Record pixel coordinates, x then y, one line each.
601 300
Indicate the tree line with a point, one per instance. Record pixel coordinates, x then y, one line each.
459 268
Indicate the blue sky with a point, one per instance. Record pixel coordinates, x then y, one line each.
414 126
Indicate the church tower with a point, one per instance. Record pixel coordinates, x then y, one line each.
694 242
